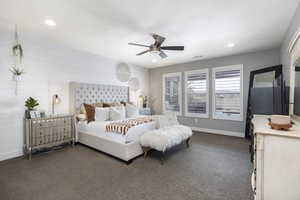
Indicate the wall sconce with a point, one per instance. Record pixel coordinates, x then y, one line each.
55 100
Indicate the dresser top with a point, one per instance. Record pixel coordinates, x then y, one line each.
261 126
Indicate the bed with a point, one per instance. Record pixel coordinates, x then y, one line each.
93 134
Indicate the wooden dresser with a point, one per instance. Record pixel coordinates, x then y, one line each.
276 165
48 132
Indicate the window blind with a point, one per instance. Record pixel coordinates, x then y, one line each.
196 92
227 92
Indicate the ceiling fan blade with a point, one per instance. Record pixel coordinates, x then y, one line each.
162 54
135 44
158 39
176 48
143 52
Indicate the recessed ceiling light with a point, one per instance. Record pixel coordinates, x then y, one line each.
197 57
230 45
154 60
50 22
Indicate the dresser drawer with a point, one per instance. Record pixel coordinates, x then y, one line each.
63 121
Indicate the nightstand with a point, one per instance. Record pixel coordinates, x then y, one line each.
48 132
145 111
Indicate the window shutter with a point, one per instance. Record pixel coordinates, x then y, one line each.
227 92
197 93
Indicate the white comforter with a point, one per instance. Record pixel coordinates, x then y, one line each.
97 128
167 137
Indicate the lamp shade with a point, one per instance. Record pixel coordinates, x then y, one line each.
56 99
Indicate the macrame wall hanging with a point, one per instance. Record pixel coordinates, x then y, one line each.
17 53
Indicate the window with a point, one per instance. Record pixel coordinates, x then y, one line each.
196 93
172 93
228 92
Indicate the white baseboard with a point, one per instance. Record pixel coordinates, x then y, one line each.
219 132
9 155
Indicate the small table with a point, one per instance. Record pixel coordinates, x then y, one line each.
48 132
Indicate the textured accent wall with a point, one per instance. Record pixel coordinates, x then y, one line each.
49 68
251 61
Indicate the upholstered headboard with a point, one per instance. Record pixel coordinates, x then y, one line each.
93 93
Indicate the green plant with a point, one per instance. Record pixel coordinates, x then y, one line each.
31 103
17 71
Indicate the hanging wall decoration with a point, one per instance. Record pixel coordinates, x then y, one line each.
17 52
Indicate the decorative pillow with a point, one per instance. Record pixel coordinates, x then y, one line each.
167 120
131 110
90 112
117 113
112 104
82 109
99 104
101 114
81 117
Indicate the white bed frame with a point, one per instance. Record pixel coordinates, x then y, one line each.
93 93
125 152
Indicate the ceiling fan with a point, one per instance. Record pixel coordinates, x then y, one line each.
156 47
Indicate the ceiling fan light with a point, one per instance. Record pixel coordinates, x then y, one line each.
155 52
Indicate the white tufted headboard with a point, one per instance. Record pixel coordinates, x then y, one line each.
94 93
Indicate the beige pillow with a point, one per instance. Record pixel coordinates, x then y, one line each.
81 117
82 109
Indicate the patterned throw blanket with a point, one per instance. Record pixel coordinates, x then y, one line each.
123 126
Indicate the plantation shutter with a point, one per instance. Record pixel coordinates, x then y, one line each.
196 91
228 99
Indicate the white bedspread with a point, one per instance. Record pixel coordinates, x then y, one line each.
97 129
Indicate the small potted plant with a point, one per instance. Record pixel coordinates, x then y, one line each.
30 104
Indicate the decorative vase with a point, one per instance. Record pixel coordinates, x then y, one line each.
16 77
27 114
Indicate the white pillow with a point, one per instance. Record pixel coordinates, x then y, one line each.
131 110
167 120
101 114
117 113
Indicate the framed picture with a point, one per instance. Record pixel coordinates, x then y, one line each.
35 114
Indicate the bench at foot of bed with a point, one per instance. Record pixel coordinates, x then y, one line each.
165 138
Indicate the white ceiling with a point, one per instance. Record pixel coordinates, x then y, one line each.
105 27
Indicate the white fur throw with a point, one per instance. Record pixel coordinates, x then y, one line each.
167 137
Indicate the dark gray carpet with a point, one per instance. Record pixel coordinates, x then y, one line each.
213 168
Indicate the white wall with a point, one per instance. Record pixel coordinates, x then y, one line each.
285 57
48 68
